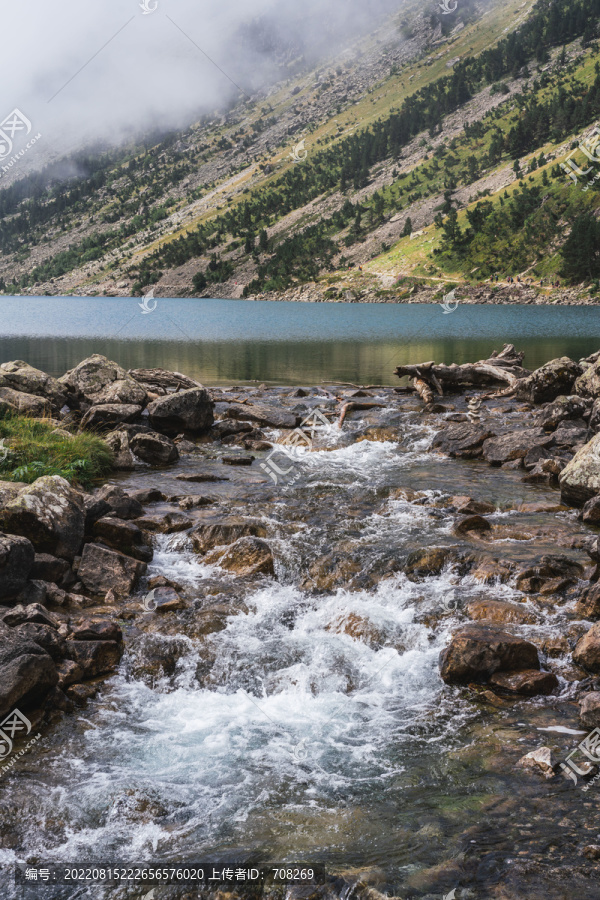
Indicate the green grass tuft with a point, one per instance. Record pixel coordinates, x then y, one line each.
34 451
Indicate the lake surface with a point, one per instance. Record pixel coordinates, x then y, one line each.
224 341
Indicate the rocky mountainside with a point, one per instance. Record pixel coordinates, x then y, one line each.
419 158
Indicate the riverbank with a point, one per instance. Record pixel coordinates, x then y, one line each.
297 571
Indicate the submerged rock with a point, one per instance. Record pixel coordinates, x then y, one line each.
539 760
476 652
528 682
208 535
248 556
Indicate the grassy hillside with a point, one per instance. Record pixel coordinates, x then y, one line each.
450 125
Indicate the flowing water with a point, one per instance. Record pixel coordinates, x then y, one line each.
314 725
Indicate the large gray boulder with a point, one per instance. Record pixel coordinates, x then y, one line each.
50 513
190 410
105 416
99 380
102 570
17 557
549 381
27 672
25 404
22 377
580 479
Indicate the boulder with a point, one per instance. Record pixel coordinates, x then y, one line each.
170 523
27 673
549 381
573 434
16 562
228 428
431 561
50 568
267 416
35 613
528 682
463 440
476 652
249 556
124 536
33 592
561 410
45 637
588 384
105 416
588 604
124 458
154 449
500 612
95 657
97 630
591 511
587 651
580 479
9 490
50 513
589 710
470 524
98 380
594 420
114 501
103 570
468 506
209 535
162 381
190 411
26 379
514 445
26 404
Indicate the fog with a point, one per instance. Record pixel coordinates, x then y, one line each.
84 69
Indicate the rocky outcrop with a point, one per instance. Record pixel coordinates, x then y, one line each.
477 652
102 570
549 381
209 535
16 562
50 514
27 672
97 380
580 479
188 411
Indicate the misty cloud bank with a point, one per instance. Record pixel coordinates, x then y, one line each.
84 69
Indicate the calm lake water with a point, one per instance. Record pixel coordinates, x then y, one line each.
224 341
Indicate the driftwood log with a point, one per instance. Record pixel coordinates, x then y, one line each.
429 379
